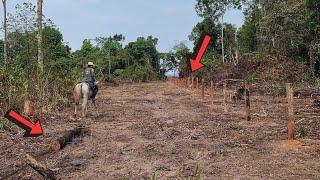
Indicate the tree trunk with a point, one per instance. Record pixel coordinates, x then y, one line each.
5 42
67 137
39 24
222 36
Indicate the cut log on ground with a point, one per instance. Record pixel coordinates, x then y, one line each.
40 168
229 81
307 92
67 137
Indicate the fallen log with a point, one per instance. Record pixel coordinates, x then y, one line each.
307 92
61 142
40 168
229 81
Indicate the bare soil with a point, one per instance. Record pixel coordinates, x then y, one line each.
141 129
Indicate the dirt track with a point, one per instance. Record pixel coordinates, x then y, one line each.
141 129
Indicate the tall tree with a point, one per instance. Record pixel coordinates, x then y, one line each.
39 24
216 9
284 27
248 33
5 42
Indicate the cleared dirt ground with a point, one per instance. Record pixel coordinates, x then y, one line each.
141 129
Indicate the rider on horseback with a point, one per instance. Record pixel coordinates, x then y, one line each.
89 79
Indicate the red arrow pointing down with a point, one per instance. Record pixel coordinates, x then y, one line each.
32 130
196 63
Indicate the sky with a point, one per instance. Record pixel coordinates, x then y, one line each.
171 21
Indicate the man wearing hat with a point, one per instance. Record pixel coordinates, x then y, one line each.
91 81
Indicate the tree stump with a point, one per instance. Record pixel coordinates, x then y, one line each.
29 109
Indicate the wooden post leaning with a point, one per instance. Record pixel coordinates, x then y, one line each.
290 127
247 99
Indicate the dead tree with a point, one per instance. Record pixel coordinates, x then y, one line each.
39 36
5 42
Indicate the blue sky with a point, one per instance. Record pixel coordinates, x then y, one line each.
169 20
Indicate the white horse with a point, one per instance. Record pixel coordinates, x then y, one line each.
81 91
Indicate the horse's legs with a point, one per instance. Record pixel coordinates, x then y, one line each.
85 105
75 110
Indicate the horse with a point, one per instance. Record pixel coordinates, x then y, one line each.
81 91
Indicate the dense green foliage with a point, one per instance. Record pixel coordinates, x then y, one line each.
21 80
276 35
277 27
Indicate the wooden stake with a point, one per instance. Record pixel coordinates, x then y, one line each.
203 88
290 126
192 82
188 82
225 106
212 94
197 79
247 99
40 168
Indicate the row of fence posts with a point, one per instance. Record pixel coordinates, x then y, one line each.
193 83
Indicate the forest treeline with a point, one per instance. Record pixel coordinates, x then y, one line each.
278 42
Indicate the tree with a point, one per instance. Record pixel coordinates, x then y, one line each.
248 33
39 36
5 42
111 47
53 45
207 26
283 27
215 9
314 35
144 51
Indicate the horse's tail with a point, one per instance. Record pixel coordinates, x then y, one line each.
77 93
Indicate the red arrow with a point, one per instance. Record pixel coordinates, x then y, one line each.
196 64
32 130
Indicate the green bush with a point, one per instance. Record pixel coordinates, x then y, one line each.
140 73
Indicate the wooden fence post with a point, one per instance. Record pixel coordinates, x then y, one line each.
225 105
247 99
212 94
192 82
185 82
203 88
290 111
197 87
